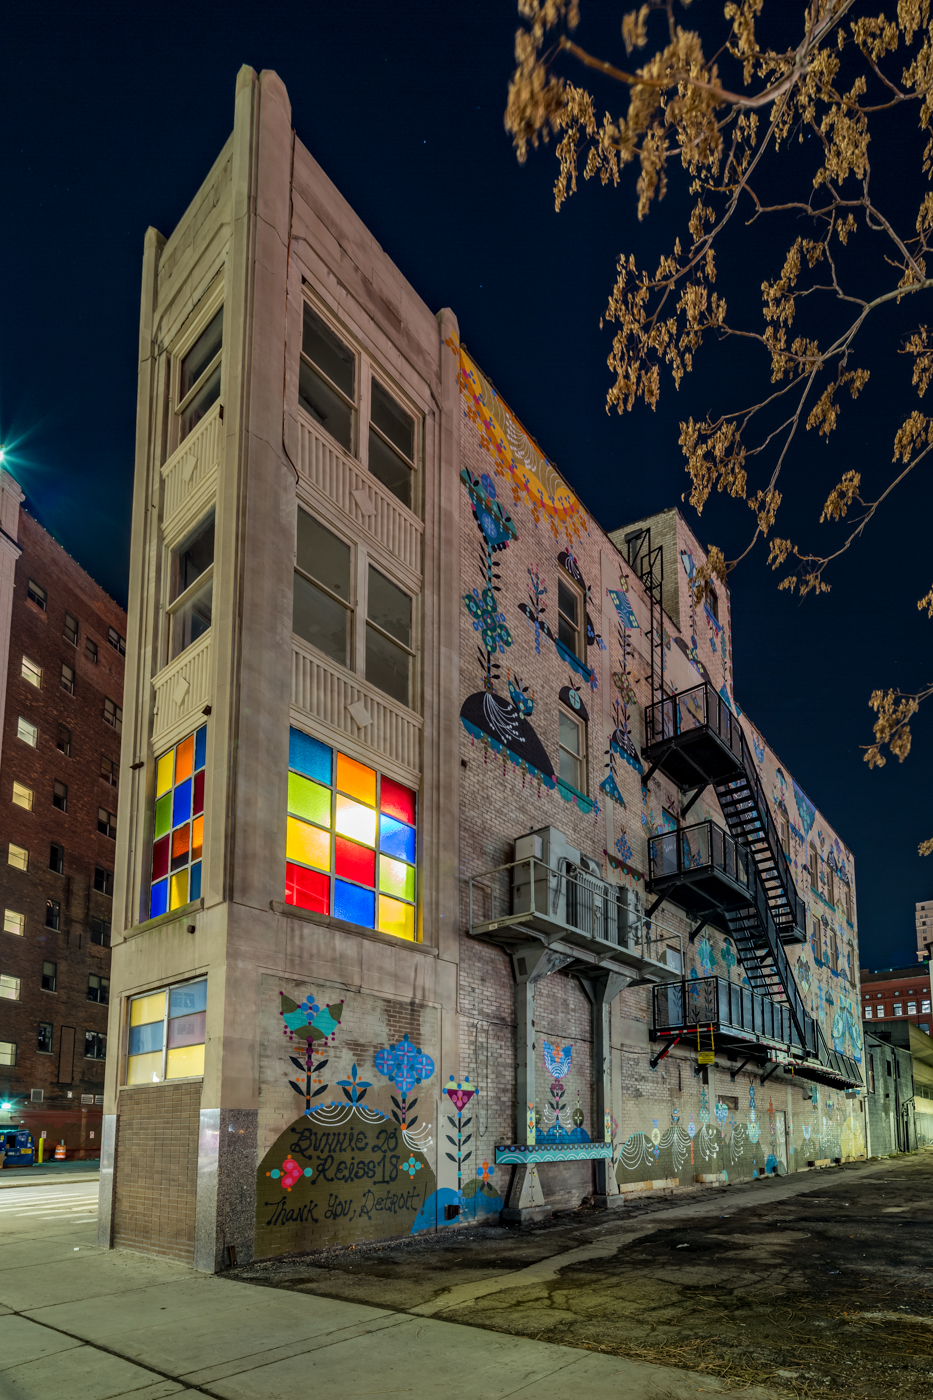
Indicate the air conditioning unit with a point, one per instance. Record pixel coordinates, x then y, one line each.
36 1095
554 881
99 1099
87 1098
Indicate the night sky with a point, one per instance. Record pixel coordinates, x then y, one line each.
109 124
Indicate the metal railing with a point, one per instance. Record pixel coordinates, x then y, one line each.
712 1001
702 846
702 708
563 898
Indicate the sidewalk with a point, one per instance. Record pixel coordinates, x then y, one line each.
87 1323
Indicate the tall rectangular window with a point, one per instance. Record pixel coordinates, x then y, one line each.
27 731
60 796
71 629
814 870
116 641
14 922
113 715
103 880
7 1053
107 823
44 1038
192 597
50 977
100 932
572 743
23 796
63 740
90 650
167 1034
18 857
830 884
351 843
109 770
199 376
178 830
57 858
37 594
868 1013
570 618
68 678
53 914
322 599
391 443
388 637
327 379
31 672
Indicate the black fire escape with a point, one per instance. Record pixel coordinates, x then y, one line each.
739 879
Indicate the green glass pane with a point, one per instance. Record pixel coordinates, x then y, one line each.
396 878
163 815
308 800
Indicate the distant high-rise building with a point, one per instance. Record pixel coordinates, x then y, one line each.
924 918
62 648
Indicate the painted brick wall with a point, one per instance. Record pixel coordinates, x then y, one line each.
157 1170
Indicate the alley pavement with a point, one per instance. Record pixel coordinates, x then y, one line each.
813 1284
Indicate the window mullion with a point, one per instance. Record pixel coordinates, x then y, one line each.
360 610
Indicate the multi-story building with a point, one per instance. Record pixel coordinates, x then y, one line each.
895 992
924 920
451 879
906 1106
62 647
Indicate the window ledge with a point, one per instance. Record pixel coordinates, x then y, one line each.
162 919
310 916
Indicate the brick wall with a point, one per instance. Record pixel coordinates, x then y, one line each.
39 635
157 1170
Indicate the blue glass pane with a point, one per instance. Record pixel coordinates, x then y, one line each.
158 899
353 904
194 891
145 1039
185 1001
200 747
397 839
181 803
308 756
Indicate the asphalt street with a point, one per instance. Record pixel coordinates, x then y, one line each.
34 1209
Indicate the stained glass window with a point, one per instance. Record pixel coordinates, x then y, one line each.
167 1034
351 839
178 828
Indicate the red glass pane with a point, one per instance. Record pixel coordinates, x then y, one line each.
160 858
397 801
198 792
353 862
308 889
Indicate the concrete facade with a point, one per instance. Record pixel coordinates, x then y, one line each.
401 605
61 640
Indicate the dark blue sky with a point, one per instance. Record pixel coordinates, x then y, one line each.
108 125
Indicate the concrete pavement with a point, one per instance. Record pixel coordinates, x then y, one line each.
97 1325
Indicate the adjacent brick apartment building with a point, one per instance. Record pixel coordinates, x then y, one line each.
451 877
896 992
62 649
924 920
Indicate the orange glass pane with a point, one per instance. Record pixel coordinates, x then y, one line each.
197 838
180 842
184 759
356 780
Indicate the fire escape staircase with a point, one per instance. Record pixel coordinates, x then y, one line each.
696 741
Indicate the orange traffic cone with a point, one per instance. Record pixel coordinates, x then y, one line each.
60 1152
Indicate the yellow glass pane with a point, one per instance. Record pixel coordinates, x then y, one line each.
179 890
307 844
184 759
356 779
146 1009
144 1069
396 917
184 1062
359 823
165 772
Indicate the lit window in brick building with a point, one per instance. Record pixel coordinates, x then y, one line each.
178 830
351 840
